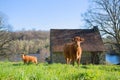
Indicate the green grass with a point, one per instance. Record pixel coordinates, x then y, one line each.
44 71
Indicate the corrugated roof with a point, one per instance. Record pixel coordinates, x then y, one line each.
93 40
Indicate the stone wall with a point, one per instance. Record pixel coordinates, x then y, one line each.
57 57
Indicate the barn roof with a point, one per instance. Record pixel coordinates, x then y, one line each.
93 41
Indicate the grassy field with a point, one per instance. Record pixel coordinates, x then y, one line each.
44 71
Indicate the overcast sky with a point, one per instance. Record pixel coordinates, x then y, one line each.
44 14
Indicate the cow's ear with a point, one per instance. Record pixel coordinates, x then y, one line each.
76 39
24 54
82 39
73 39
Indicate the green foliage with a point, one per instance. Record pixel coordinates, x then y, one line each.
29 46
44 71
29 42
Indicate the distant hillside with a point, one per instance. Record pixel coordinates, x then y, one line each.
31 34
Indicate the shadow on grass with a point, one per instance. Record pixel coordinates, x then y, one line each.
85 67
26 64
18 64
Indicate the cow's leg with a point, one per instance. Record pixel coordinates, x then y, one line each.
70 60
35 61
24 61
27 62
73 63
78 60
67 60
78 54
73 60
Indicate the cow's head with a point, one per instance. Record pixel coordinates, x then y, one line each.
77 40
22 55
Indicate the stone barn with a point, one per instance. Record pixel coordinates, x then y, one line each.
93 47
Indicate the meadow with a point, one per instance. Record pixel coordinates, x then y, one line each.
57 71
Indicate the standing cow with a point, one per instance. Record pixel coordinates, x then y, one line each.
73 51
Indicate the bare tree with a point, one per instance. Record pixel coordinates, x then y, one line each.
5 37
106 15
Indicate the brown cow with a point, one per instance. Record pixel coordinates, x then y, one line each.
73 51
27 59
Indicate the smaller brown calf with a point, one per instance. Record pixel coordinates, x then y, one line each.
27 59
